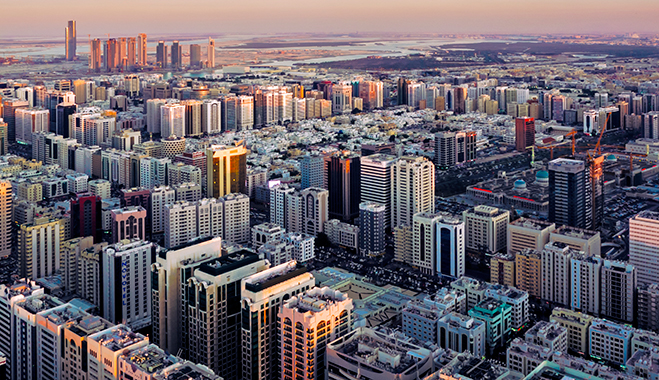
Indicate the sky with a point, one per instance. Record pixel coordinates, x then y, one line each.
47 18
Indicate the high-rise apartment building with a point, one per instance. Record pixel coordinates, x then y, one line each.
412 189
75 334
528 272
372 228
486 228
502 269
161 55
126 282
210 52
169 273
177 55
179 221
453 148
569 193
438 243
211 116
172 120
212 313
226 169
160 197
341 99
131 52
6 218
29 121
105 347
9 107
556 261
342 177
311 171
585 283
141 49
376 171
128 223
70 40
644 246
9 296
524 133
95 56
526 233
263 295
647 307
193 117
39 246
195 55
318 316
618 290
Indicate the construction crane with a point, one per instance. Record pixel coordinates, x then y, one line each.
551 150
598 149
571 134
631 161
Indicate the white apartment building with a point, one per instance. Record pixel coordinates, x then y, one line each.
412 189
644 246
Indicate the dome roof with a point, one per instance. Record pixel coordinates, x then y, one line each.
520 184
611 157
542 174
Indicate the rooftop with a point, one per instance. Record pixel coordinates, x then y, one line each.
648 359
89 325
315 300
62 314
545 330
37 304
612 328
520 347
532 224
227 263
572 316
376 349
646 214
186 371
273 276
118 337
489 304
468 366
21 287
457 320
575 232
149 359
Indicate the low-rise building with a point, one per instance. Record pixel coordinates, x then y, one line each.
530 234
517 299
579 239
497 316
644 364
471 367
577 325
343 234
610 341
548 334
459 332
262 233
523 357
376 356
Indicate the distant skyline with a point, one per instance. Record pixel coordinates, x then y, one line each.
41 18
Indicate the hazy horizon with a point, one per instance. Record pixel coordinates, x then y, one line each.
47 19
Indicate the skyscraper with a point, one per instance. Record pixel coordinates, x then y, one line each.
214 289
342 176
193 117
375 184
644 246
412 189
323 310
211 52
95 57
161 54
172 120
372 228
263 294
177 55
122 53
438 243
131 54
70 40
311 171
568 193
141 49
226 170
195 55
111 55
6 215
341 99
524 133
9 115
126 282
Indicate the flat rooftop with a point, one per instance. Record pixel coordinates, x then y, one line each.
118 338
611 328
545 330
531 224
149 359
62 314
227 263
646 214
381 351
469 367
89 325
273 276
37 304
315 300
574 232
186 371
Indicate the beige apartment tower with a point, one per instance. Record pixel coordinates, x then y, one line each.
486 228
526 233
311 319
412 189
